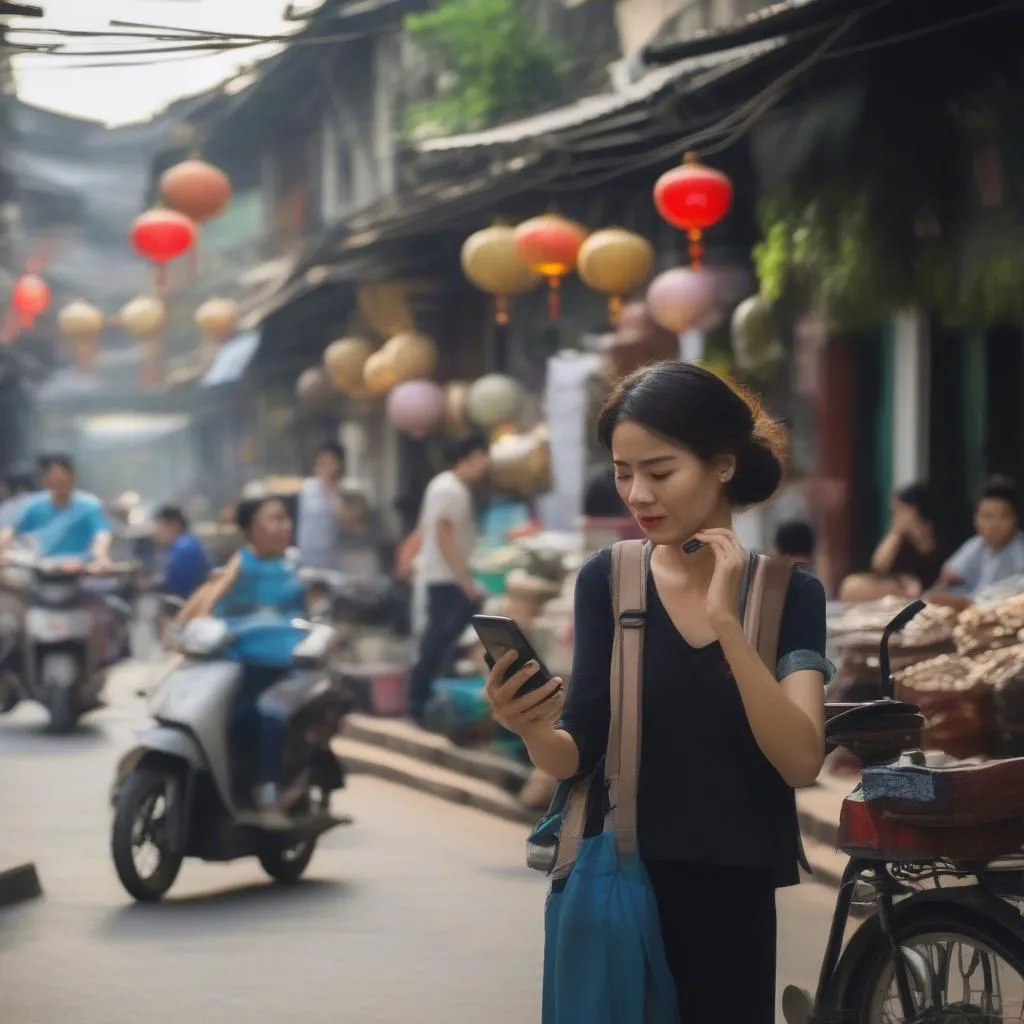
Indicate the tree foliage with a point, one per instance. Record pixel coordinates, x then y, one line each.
498 65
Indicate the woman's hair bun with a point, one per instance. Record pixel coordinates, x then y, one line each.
761 462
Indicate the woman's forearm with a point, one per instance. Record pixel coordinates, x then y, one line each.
885 554
553 751
202 603
787 736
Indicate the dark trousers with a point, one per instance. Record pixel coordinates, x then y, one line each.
448 613
269 724
716 923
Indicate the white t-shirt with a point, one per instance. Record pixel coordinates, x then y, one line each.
446 498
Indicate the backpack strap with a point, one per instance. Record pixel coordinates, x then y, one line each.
778 572
630 565
763 602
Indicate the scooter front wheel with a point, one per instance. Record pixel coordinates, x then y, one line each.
140 841
286 863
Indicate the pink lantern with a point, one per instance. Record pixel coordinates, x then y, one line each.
680 299
415 407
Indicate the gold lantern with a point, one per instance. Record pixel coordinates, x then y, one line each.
413 356
344 361
490 259
218 319
378 373
82 324
80 320
615 262
144 317
521 463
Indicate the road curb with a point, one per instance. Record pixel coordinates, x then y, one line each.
430 748
19 884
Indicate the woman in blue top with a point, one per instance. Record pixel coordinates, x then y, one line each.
259 595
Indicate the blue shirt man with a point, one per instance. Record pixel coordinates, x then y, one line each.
996 552
186 566
62 521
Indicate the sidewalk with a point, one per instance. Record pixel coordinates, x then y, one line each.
401 752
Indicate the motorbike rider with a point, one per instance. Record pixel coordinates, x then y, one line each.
258 594
62 521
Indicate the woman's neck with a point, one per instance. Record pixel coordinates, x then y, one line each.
696 567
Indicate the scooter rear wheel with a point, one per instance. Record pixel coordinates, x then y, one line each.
141 816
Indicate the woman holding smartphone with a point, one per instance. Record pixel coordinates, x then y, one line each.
725 739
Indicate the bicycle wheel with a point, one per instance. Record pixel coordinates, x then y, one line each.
964 967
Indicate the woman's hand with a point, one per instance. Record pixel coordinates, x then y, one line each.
540 709
731 563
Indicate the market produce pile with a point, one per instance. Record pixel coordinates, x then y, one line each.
965 672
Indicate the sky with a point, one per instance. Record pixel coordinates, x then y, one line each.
125 94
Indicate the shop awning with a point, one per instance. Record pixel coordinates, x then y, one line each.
771 22
232 360
593 109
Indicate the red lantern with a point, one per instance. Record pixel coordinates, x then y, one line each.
162 236
30 298
196 189
693 198
549 245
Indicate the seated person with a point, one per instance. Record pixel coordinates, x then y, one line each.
996 552
795 540
186 566
62 521
908 560
258 595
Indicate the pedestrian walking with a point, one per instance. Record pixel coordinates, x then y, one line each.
725 737
321 511
448 531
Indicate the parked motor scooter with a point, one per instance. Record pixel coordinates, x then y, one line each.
182 791
63 626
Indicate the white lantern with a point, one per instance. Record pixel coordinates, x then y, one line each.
494 400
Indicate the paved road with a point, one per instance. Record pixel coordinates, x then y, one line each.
420 912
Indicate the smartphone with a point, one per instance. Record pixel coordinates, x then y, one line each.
500 635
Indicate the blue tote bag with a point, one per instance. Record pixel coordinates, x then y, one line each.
603 956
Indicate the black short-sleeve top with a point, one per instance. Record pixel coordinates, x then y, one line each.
706 793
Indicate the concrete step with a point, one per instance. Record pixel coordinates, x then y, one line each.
18 884
409 740
453 786
402 752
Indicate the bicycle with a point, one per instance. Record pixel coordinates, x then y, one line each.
907 962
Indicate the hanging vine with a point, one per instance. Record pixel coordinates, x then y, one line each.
922 204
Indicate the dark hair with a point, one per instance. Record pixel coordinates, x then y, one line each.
330 448
172 514
709 416
919 498
248 509
1002 488
56 459
461 448
795 538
